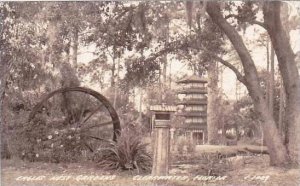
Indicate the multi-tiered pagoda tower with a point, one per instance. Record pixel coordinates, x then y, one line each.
193 101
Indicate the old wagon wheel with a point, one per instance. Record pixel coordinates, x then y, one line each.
77 113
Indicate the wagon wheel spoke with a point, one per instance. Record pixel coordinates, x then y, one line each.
87 128
92 113
97 125
83 108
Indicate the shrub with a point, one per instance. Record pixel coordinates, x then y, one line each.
190 147
184 145
181 145
212 164
39 142
127 153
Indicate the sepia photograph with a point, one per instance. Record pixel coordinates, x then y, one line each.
150 93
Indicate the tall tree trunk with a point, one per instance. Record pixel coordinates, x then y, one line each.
68 52
165 57
238 86
170 76
54 43
212 104
113 74
116 84
165 65
268 72
55 47
75 48
278 153
160 85
113 68
164 83
140 108
281 111
271 85
7 57
289 72
237 90
4 72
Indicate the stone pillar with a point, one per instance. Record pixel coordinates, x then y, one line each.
161 148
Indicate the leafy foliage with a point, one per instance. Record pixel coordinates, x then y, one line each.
40 144
141 73
128 153
185 146
213 165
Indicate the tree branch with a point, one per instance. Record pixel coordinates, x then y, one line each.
239 76
252 22
173 46
179 45
126 9
231 16
262 24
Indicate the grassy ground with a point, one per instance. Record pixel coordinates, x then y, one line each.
245 170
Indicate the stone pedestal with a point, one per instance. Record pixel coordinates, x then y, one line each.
161 148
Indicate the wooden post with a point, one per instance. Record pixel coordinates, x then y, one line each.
161 148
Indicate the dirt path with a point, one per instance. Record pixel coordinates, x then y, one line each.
246 171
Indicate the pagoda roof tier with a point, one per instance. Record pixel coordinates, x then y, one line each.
193 113
192 102
193 126
201 90
192 79
196 122
183 125
163 108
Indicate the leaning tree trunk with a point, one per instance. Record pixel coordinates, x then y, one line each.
212 104
289 72
278 153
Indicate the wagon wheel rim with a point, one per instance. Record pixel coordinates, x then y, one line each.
79 125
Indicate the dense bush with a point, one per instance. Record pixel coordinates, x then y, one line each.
51 135
39 142
17 106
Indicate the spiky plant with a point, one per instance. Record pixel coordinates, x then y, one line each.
128 153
